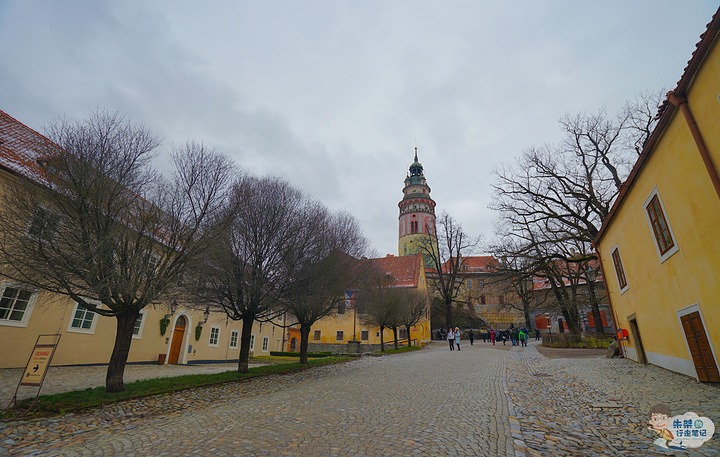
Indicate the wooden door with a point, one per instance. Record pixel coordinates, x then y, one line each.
637 341
700 348
177 340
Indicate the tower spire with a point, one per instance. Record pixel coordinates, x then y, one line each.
416 159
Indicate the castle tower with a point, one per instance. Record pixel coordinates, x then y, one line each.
417 213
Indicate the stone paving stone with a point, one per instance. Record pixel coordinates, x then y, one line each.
484 401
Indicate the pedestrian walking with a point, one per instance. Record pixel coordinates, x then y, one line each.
485 336
504 335
537 334
514 337
457 338
471 337
492 335
523 338
451 339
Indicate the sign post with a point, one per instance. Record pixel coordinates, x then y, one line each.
37 366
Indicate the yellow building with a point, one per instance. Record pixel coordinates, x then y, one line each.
333 332
659 245
86 337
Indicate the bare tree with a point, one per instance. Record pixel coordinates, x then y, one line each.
414 305
327 268
555 198
446 256
103 228
380 302
250 267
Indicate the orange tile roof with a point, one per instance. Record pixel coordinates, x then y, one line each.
405 270
19 145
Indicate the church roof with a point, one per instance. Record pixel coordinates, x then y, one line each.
405 270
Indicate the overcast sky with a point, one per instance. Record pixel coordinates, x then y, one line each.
335 95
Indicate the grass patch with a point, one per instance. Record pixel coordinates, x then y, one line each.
400 350
58 404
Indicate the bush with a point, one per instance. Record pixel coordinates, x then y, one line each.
297 354
568 340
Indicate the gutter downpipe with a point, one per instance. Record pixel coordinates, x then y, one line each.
682 103
607 294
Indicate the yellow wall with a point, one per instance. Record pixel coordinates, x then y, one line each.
692 207
51 314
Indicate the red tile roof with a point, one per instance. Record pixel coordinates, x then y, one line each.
405 270
19 146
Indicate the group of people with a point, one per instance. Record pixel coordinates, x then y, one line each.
517 336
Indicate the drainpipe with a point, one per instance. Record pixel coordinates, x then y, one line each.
682 103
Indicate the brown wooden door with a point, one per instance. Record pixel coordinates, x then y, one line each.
700 348
177 340
637 341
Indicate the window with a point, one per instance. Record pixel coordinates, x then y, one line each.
82 320
501 299
139 324
468 284
214 336
619 271
377 334
234 336
402 334
341 307
364 335
664 240
340 336
480 283
482 299
252 342
316 335
16 304
43 224
266 342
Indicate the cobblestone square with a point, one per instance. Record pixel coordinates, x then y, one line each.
481 401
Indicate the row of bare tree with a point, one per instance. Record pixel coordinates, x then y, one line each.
99 224
554 199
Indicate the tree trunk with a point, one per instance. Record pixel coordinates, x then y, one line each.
448 313
526 311
244 356
407 327
394 329
121 350
599 329
382 341
304 341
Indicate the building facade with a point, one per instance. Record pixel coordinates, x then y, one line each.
174 333
659 245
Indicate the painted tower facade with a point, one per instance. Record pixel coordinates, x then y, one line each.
417 213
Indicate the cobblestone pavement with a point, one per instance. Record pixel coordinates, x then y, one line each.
485 401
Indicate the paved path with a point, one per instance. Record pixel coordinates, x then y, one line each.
502 401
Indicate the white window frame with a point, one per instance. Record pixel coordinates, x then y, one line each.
252 342
265 343
143 315
93 324
675 248
617 277
217 336
28 309
236 335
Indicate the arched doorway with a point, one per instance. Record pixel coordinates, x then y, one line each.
293 345
177 339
